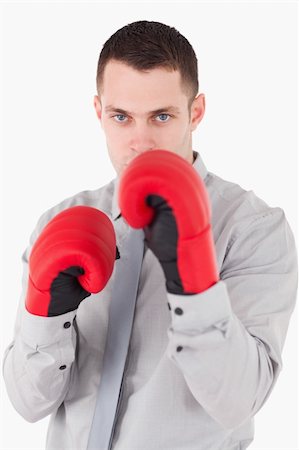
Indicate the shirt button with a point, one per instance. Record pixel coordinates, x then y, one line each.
67 324
178 311
179 348
62 367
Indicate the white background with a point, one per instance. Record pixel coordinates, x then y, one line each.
53 146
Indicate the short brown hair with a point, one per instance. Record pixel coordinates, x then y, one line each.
146 45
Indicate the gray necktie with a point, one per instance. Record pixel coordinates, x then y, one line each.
121 313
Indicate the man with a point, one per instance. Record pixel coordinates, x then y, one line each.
200 366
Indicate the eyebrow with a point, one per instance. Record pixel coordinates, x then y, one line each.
173 109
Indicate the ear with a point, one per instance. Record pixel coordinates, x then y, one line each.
98 107
197 110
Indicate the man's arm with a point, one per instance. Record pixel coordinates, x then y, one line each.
71 256
228 340
229 316
35 379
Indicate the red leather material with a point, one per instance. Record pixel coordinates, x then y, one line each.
78 236
168 175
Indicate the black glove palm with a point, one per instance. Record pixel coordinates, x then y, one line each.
161 237
67 286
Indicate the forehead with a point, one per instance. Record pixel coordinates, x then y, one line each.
124 83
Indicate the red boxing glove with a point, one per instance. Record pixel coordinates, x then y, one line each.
73 257
161 192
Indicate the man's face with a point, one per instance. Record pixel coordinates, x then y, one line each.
141 111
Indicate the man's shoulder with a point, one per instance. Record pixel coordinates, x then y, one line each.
231 202
100 198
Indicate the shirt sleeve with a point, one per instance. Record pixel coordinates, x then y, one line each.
37 364
228 340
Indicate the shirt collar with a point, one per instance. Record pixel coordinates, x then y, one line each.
198 165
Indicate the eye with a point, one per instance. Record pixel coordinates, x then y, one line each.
163 117
120 117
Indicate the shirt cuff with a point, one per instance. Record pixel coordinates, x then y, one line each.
39 331
198 312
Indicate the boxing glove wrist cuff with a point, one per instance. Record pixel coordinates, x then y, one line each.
197 264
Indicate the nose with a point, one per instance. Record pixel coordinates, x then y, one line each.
142 139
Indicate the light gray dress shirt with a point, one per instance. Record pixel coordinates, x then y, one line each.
192 380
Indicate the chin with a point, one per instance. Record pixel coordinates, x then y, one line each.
121 169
